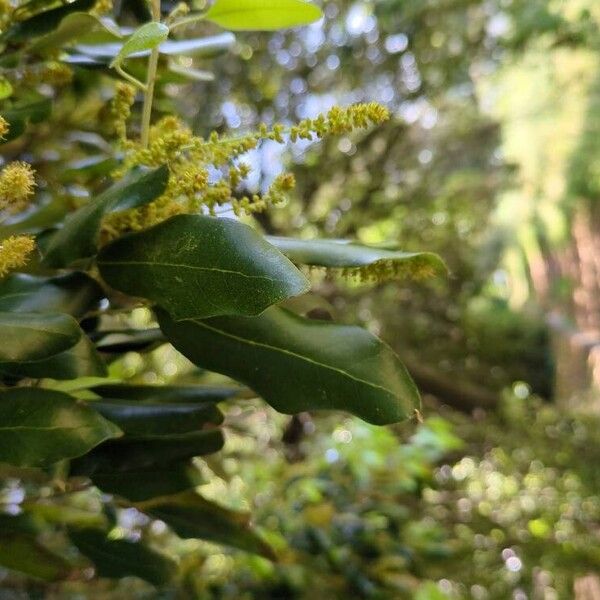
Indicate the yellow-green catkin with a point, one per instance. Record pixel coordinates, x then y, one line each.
4 128
120 110
15 252
52 73
190 158
17 184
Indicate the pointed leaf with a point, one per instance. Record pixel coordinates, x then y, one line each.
131 455
141 484
129 340
142 420
297 364
196 266
41 427
367 262
21 552
77 238
81 360
166 393
262 15
192 516
120 558
73 293
36 336
146 37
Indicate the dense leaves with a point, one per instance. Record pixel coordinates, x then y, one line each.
78 237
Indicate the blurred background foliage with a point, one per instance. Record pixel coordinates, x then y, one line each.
492 159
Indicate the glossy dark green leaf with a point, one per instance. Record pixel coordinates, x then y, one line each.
262 15
78 237
132 455
137 485
45 22
73 293
82 360
197 266
41 427
120 558
36 336
366 262
192 516
21 552
297 364
129 340
166 393
149 420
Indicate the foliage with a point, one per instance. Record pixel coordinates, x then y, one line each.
148 231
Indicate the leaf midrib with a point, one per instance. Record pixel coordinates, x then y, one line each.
295 355
121 263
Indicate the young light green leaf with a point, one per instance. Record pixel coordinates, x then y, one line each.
197 266
304 364
262 15
147 37
40 427
369 263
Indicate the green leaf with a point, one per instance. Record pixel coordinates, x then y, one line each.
205 47
78 238
141 484
19 115
75 26
73 293
21 552
81 360
36 336
197 266
146 37
192 516
6 89
129 340
46 21
262 15
120 558
132 455
297 364
368 263
41 427
166 393
141 420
